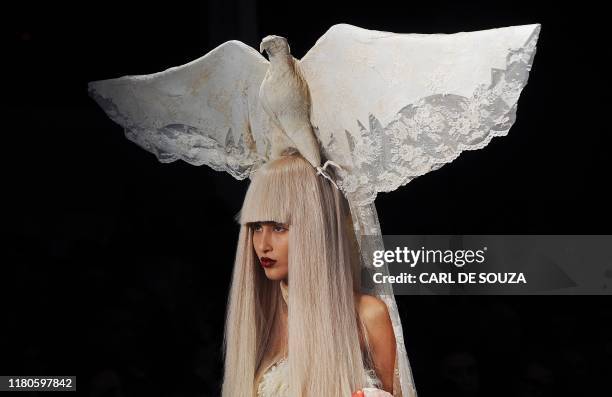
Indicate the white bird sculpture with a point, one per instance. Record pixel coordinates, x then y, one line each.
285 97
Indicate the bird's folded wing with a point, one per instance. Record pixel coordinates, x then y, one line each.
204 112
389 107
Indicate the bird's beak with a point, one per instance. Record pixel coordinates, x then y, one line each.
261 47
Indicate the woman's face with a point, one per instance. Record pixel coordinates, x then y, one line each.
271 243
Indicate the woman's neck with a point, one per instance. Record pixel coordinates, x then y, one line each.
284 287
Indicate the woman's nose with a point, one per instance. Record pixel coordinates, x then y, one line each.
264 243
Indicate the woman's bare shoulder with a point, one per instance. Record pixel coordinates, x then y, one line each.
371 309
381 337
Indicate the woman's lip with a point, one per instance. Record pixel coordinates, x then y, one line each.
266 262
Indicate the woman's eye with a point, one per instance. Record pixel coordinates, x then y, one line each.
279 228
256 226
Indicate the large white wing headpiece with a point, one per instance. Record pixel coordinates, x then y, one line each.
390 107
204 112
384 107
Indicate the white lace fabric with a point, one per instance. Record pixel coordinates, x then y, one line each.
275 381
442 111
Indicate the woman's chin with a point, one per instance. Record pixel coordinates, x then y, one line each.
275 274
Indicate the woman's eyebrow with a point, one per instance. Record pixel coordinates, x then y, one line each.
275 223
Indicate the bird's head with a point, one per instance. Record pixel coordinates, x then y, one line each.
274 45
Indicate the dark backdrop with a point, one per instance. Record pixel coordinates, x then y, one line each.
117 267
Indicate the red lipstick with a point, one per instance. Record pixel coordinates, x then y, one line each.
266 262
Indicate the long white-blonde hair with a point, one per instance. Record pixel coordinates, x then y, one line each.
325 358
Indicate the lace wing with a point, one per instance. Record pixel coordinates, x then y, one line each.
389 107
204 112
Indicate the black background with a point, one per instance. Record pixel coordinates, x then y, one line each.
117 267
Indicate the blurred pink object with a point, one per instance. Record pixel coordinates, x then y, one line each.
371 392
